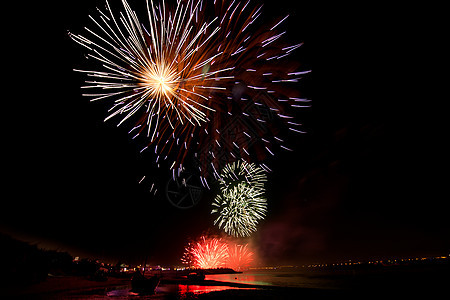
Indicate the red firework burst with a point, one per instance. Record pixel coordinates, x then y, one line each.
210 253
239 257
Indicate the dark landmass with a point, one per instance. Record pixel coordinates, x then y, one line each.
60 285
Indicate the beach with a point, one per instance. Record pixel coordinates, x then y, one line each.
76 287
294 283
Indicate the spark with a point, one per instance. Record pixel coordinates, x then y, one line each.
279 23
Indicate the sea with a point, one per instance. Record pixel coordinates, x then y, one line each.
282 277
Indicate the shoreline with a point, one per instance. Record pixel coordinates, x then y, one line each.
399 281
209 282
61 287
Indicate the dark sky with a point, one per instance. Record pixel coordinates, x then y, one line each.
367 180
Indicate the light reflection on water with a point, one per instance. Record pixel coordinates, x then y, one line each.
186 291
246 278
169 291
283 278
291 278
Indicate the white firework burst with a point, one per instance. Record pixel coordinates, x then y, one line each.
188 71
155 71
242 171
241 203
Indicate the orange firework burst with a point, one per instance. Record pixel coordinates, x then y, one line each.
190 72
160 76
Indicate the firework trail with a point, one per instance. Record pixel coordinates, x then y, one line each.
241 202
255 106
193 69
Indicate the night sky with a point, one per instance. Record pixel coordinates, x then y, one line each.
366 180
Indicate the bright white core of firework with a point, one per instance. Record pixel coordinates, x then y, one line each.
161 81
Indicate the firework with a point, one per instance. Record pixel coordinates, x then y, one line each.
239 208
188 257
208 253
255 109
190 72
239 257
241 202
211 252
242 171
156 74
